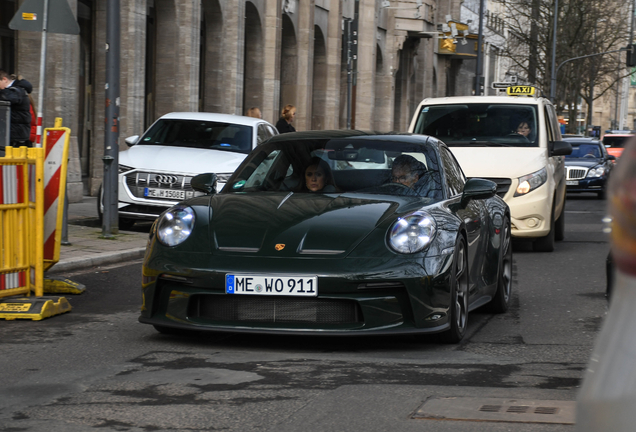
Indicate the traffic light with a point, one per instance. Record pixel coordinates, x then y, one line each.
631 55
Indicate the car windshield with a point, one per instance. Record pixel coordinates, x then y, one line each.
199 134
350 165
584 151
480 124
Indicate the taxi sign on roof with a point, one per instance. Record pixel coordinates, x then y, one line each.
520 90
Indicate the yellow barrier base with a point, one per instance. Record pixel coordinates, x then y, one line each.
33 308
61 285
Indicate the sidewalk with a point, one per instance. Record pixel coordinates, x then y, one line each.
87 249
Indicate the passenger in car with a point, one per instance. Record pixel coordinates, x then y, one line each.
318 177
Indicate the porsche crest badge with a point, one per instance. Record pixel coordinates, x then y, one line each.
279 247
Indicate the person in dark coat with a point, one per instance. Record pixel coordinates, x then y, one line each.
15 91
287 116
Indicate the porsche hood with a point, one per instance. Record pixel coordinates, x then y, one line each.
284 225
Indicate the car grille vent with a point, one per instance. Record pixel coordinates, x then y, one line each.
274 309
503 184
576 173
137 181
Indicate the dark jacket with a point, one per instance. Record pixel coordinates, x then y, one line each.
283 126
20 109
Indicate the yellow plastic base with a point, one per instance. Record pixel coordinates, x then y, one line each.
60 285
33 308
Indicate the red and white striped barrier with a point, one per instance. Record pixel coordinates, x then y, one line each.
56 146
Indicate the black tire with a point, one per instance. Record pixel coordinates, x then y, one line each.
501 300
123 223
546 244
458 310
559 226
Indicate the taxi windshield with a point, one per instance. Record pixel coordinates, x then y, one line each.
480 124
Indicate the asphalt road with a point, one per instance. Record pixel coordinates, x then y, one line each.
97 368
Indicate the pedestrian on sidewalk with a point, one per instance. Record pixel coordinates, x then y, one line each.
287 116
16 91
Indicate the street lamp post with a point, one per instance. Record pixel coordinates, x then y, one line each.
554 37
480 41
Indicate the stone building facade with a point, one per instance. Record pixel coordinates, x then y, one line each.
228 55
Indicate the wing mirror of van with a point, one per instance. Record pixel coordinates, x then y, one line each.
205 183
560 148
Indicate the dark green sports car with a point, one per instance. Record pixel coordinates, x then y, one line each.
332 233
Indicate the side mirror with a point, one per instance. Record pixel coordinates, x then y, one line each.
132 140
205 183
477 188
611 157
559 148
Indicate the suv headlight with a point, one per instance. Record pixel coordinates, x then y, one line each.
532 181
412 233
597 171
123 168
175 225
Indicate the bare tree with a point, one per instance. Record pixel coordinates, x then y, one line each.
584 27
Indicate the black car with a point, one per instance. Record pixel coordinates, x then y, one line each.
328 233
588 167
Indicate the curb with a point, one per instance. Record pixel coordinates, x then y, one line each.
101 259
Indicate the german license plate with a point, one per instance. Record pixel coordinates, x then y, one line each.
14 307
571 182
271 285
164 193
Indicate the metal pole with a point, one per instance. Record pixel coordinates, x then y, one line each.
480 41
349 73
554 38
590 106
111 135
40 122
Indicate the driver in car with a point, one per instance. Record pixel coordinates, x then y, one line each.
406 170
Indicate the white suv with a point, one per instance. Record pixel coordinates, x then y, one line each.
155 173
513 141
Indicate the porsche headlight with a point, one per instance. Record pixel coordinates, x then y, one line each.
175 225
412 233
598 171
532 181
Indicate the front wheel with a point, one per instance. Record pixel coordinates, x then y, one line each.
458 311
546 244
501 300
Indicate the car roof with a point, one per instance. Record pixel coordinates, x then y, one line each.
224 118
346 133
521 100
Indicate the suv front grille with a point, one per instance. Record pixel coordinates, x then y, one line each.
138 181
576 173
274 309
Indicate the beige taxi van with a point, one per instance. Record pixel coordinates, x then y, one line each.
516 142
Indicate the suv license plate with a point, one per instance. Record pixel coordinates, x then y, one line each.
164 193
571 182
271 285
